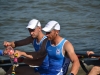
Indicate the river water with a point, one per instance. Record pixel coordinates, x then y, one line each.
79 20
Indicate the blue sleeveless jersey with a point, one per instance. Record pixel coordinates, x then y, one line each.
43 68
58 64
36 45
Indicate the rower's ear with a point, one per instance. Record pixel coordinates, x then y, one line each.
57 31
39 28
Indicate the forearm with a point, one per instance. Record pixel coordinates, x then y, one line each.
75 67
33 55
27 54
37 62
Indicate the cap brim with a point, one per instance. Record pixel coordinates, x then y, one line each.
46 29
30 27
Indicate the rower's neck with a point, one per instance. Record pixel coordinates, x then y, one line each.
40 36
56 40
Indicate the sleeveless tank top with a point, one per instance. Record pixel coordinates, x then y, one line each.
36 45
44 66
58 64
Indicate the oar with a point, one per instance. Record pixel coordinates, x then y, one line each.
84 55
5 61
6 67
95 55
6 64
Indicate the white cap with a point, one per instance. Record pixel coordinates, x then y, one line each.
51 25
33 24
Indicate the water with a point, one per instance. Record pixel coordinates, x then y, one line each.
79 20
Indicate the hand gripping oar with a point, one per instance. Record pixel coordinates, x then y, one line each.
14 61
5 63
10 52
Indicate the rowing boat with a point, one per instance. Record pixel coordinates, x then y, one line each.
83 58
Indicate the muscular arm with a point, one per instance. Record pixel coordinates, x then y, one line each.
68 49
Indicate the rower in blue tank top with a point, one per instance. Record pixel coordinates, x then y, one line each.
60 51
43 68
58 64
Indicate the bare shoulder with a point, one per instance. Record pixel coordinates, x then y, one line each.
68 46
69 49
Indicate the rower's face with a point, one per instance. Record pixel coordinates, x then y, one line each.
51 35
34 32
